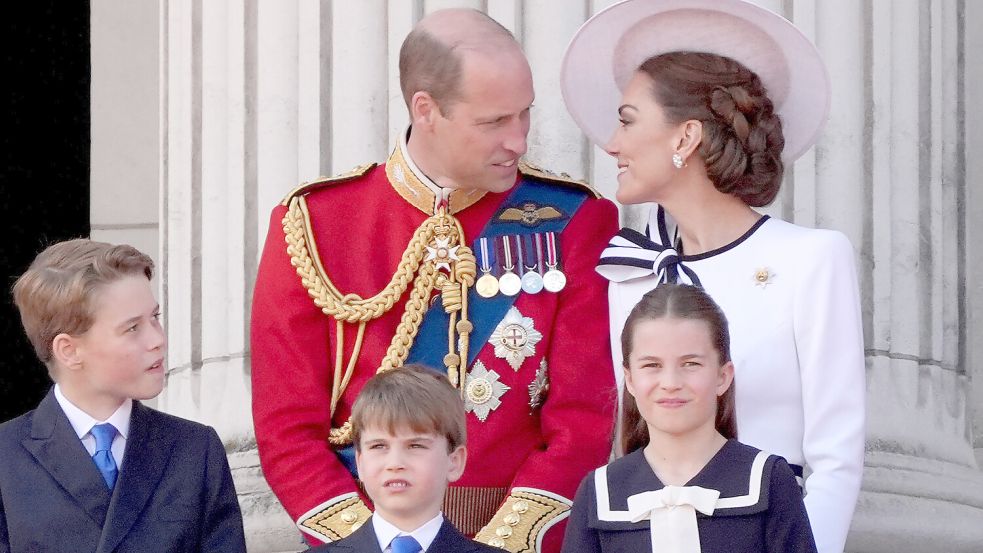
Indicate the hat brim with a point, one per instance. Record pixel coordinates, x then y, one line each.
609 47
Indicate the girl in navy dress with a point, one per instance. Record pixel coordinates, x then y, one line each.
685 485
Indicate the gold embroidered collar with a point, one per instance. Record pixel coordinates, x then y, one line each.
417 189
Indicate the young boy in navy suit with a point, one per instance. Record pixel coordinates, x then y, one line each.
91 469
409 432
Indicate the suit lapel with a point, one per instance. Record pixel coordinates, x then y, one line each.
362 540
148 451
57 448
450 539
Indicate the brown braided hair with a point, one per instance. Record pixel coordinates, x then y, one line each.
742 136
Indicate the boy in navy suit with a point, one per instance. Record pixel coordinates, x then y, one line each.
409 432
91 469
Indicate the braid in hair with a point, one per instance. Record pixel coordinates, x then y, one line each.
742 136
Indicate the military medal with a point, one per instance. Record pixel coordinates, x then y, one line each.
487 285
515 338
554 280
509 283
532 283
482 391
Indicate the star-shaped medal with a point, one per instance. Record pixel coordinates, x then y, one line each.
515 338
482 391
442 253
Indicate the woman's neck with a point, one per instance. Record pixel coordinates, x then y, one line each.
707 218
676 459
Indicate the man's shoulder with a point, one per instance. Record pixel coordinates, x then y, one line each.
322 183
545 176
14 429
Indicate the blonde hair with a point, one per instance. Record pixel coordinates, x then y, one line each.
56 294
411 396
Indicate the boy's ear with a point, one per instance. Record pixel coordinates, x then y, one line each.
459 459
65 351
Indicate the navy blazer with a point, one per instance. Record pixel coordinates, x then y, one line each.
448 540
174 491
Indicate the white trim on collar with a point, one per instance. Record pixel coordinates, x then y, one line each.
605 513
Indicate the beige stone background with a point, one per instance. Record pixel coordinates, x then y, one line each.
205 112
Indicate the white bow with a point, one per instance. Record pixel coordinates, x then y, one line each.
672 514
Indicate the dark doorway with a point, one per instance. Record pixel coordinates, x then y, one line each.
44 164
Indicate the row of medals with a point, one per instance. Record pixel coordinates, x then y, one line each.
531 280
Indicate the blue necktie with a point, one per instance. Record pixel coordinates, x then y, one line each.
103 457
405 544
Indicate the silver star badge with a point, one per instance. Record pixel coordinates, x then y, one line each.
539 387
482 391
515 338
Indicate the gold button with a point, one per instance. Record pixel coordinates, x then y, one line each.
762 275
497 542
348 517
512 519
520 506
503 531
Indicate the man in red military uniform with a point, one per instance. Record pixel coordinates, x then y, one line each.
452 256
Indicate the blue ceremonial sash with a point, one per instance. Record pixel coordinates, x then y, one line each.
430 345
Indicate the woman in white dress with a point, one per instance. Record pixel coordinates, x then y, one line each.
703 103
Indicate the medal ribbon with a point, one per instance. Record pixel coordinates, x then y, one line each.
485 258
539 252
520 254
507 250
529 259
551 258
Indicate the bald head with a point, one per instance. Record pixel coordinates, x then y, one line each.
431 58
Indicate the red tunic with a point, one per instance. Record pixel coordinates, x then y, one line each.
361 228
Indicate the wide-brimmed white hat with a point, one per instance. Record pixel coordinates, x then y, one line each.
607 49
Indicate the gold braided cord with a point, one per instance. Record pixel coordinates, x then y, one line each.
351 308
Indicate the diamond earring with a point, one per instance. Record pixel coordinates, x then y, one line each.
677 160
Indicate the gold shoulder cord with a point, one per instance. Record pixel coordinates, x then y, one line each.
437 243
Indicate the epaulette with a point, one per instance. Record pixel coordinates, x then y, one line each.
564 179
319 182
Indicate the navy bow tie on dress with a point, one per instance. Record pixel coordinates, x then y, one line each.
103 457
631 254
405 544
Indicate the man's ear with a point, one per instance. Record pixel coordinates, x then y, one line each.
423 110
66 351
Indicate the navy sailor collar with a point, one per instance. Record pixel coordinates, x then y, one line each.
739 472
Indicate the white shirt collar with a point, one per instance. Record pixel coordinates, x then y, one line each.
385 532
82 422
